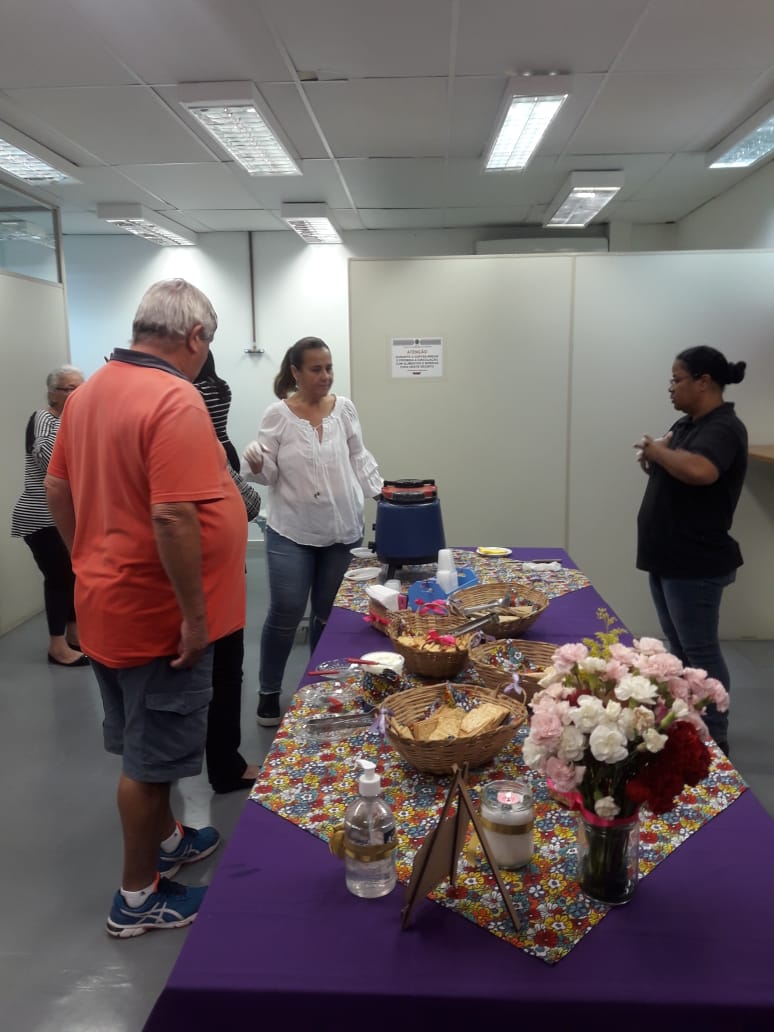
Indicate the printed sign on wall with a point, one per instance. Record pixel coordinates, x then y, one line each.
416 356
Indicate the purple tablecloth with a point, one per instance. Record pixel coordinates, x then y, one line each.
280 938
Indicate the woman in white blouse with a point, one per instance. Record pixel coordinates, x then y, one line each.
310 453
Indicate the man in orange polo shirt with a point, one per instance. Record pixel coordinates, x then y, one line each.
139 490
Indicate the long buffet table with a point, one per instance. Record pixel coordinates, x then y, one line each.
280 938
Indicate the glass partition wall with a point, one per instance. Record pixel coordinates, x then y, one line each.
30 237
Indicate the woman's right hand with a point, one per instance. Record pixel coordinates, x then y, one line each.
253 456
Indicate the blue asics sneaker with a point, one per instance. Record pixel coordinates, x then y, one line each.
195 844
171 906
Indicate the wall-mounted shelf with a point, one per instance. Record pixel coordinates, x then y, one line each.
761 452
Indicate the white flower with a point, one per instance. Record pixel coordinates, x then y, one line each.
572 745
612 712
643 719
680 708
654 741
549 677
641 689
592 665
607 808
534 756
588 713
608 743
626 722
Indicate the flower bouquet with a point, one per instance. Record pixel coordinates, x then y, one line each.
616 727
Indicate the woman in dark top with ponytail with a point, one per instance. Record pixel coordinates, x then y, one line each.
227 769
695 476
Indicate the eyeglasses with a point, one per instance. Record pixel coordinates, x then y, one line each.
675 380
67 390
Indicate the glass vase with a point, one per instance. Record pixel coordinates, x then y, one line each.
608 858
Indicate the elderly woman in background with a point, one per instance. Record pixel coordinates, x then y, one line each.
310 452
32 521
695 476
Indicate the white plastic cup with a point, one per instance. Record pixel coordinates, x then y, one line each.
445 559
448 580
393 585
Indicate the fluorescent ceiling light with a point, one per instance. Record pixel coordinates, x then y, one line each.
138 220
312 222
26 166
582 197
236 117
529 107
750 143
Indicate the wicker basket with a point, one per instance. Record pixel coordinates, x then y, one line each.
380 616
502 625
484 659
440 757
420 662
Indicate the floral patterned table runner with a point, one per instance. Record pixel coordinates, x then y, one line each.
310 782
352 595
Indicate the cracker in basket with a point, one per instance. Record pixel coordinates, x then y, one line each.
485 717
401 730
422 730
448 725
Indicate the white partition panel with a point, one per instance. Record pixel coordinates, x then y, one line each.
633 314
35 321
553 367
493 429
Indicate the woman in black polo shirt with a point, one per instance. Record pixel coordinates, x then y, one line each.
695 476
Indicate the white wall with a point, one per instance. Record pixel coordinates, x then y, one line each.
35 318
742 217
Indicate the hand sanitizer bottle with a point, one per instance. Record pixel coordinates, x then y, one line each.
369 839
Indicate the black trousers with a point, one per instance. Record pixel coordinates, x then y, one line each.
53 561
225 764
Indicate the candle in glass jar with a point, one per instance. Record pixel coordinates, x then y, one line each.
507 821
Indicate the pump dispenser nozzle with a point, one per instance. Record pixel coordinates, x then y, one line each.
370 783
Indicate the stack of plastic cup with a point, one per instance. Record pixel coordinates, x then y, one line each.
447 571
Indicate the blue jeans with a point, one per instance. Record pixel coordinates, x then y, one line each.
688 610
295 571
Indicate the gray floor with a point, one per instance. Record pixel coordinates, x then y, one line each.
59 971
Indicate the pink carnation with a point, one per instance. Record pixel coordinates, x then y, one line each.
715 692
623 653
566 656
661 666
615 670
679 688
650 646
562 774
547 724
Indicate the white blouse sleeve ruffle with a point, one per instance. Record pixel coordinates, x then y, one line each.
364 465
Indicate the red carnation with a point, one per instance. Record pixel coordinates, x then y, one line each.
684 760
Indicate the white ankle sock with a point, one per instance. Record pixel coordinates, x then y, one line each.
136 897
169 845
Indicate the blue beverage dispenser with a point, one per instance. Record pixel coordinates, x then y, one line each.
409 526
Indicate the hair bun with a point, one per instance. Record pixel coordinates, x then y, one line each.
736 371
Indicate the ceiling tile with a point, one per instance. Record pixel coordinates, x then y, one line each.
186 40
396 118
648 113
209 185
117 124
553 35
700 35
353 39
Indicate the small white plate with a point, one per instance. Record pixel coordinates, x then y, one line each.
362 553
364 573
493 551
